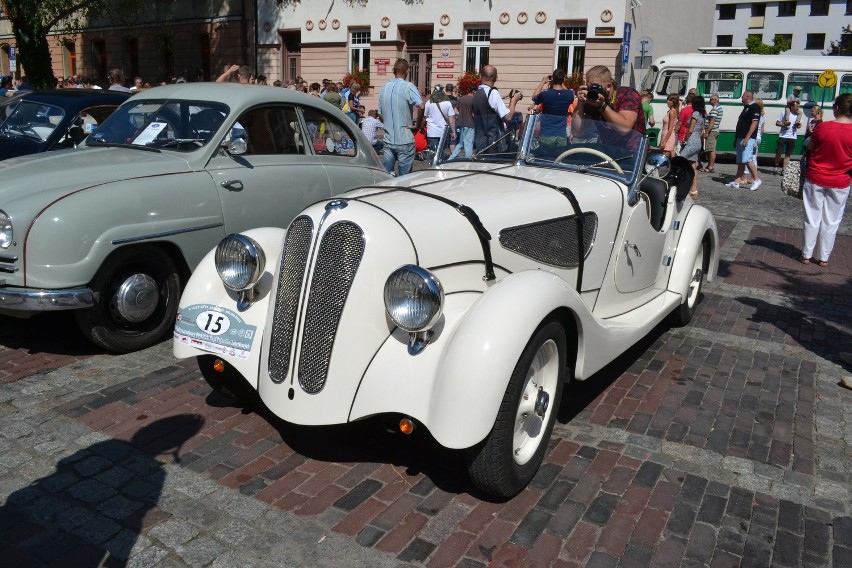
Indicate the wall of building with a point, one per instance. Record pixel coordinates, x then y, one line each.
663 27
799 25
523 36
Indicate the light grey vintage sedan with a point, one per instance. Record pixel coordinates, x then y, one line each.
113 229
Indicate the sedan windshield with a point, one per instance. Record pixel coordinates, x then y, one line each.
32 120
586 146
179 125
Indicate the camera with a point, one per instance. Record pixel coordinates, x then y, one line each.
595 90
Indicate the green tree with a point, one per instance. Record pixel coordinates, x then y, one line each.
843 46
33 20
756 45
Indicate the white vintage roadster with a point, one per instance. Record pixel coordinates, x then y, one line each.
460 298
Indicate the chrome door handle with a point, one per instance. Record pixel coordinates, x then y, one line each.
629 245
232 184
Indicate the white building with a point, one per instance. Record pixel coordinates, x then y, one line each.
810 25
444 38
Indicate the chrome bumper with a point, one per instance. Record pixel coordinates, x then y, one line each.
33 300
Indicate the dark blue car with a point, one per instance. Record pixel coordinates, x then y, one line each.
52 120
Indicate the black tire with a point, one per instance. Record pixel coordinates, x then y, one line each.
229 383
105 324
683 314
495 465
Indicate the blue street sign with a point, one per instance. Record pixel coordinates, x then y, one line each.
625 46
13 58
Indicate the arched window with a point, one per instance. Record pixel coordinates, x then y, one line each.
204 53
99 60
167 57
69 57
130 49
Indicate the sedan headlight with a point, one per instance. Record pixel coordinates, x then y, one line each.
414 298
5 231
240 262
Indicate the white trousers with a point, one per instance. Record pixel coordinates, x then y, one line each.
824 208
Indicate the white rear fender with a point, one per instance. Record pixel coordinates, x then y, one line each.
698 224
206 288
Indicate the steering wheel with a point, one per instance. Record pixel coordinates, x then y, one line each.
593 152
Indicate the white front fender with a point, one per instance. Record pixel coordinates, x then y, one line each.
205 287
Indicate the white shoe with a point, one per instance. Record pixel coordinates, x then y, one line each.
756 184
732 184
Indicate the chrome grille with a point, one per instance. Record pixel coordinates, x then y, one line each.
553 241
337 262
7 263
296 250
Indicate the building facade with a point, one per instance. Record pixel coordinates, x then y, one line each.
810 25
195 39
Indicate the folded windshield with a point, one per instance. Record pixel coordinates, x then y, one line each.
587 146
28 119
183 126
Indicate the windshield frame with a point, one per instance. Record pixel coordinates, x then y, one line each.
628 149
162 111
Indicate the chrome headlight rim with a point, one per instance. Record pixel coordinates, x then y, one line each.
240 262
7 233
405 285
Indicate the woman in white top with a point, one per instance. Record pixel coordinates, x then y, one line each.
437 114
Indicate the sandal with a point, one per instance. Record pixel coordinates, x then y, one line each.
822 263
710 170
805 261
694 195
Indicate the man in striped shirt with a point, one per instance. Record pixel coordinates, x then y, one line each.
396 100
711 132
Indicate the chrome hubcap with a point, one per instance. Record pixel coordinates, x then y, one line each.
534 407
137 298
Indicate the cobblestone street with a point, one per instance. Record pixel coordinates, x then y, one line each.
724 443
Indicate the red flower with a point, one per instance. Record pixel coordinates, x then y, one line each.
468 83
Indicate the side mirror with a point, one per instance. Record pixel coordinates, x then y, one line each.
235 147
657 165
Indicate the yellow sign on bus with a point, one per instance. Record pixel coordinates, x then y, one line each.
827 79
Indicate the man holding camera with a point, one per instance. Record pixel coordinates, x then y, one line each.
598 99
489 111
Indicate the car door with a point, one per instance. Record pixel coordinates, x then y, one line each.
276 177
337 147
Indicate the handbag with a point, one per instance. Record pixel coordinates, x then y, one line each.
791 179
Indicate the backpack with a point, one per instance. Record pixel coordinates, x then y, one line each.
344 95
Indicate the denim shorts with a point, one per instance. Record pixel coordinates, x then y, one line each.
745 155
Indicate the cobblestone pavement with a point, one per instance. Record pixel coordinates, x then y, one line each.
723 443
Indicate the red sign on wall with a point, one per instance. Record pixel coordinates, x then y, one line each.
444 75
446 64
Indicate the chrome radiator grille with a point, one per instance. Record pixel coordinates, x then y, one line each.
553 241
8 263
290 278
339 256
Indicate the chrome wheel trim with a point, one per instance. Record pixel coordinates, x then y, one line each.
136 298
540 383
697 275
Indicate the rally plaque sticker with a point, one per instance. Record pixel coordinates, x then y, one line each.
214 329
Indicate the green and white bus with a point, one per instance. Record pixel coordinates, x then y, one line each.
769 77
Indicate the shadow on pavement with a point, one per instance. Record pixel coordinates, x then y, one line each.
55 333
91 510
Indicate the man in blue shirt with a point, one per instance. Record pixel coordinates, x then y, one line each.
555 102
396 100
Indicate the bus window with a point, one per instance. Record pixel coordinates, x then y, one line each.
811 92
650 78
766 85
672 82
726 84
846 84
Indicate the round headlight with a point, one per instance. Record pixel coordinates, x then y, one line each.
240 262
5 231
414 298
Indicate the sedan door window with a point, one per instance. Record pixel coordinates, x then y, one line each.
328 136
270 131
